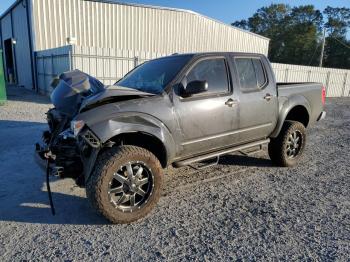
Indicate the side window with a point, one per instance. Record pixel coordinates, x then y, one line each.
214 72
246 73
251 73
259 71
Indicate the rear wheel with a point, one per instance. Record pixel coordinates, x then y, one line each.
287 148
125 184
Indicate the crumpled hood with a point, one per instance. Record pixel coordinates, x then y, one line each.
112 94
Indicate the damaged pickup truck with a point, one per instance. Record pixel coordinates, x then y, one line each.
176 110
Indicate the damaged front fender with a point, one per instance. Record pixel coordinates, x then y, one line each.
132 122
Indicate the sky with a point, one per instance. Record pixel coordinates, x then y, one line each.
229 11
224 10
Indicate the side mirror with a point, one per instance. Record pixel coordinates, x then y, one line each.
195 87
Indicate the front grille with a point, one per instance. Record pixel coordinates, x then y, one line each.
91 139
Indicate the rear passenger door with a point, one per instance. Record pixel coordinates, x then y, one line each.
257 97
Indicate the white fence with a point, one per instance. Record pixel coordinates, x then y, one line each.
336 81
108 65
51 63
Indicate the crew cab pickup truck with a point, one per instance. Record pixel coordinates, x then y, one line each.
176 110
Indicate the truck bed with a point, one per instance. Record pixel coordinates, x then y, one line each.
311 91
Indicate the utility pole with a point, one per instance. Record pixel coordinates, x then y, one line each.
323 44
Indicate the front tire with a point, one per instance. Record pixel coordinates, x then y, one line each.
125 184
287 148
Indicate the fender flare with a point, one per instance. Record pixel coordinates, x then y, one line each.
133 122
286 107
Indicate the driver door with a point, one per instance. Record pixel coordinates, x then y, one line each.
208 120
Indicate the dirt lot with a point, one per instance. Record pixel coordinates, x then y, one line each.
244 208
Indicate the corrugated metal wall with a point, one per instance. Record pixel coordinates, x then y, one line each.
128 27
14 25
6 27
22 47
6 30
336 81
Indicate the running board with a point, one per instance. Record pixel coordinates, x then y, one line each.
206 165
219 153
249 153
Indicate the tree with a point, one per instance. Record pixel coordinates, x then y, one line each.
241 24
296 33
337 53
337 49
302 34
338 20
268 21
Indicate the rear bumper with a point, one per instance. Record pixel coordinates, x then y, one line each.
321 116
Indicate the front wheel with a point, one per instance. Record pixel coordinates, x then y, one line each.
286 149
125 184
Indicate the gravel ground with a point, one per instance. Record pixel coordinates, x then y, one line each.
244 208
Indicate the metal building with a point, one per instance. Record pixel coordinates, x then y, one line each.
29 26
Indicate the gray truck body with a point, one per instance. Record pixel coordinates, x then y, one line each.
191 126
175 110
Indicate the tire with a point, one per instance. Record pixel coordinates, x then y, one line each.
283 150
115 194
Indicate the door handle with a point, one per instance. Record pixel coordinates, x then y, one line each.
231 102
268 97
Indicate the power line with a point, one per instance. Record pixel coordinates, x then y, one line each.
313 55
347 46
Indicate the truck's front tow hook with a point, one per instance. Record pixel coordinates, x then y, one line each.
57 171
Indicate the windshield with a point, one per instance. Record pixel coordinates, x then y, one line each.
155 75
